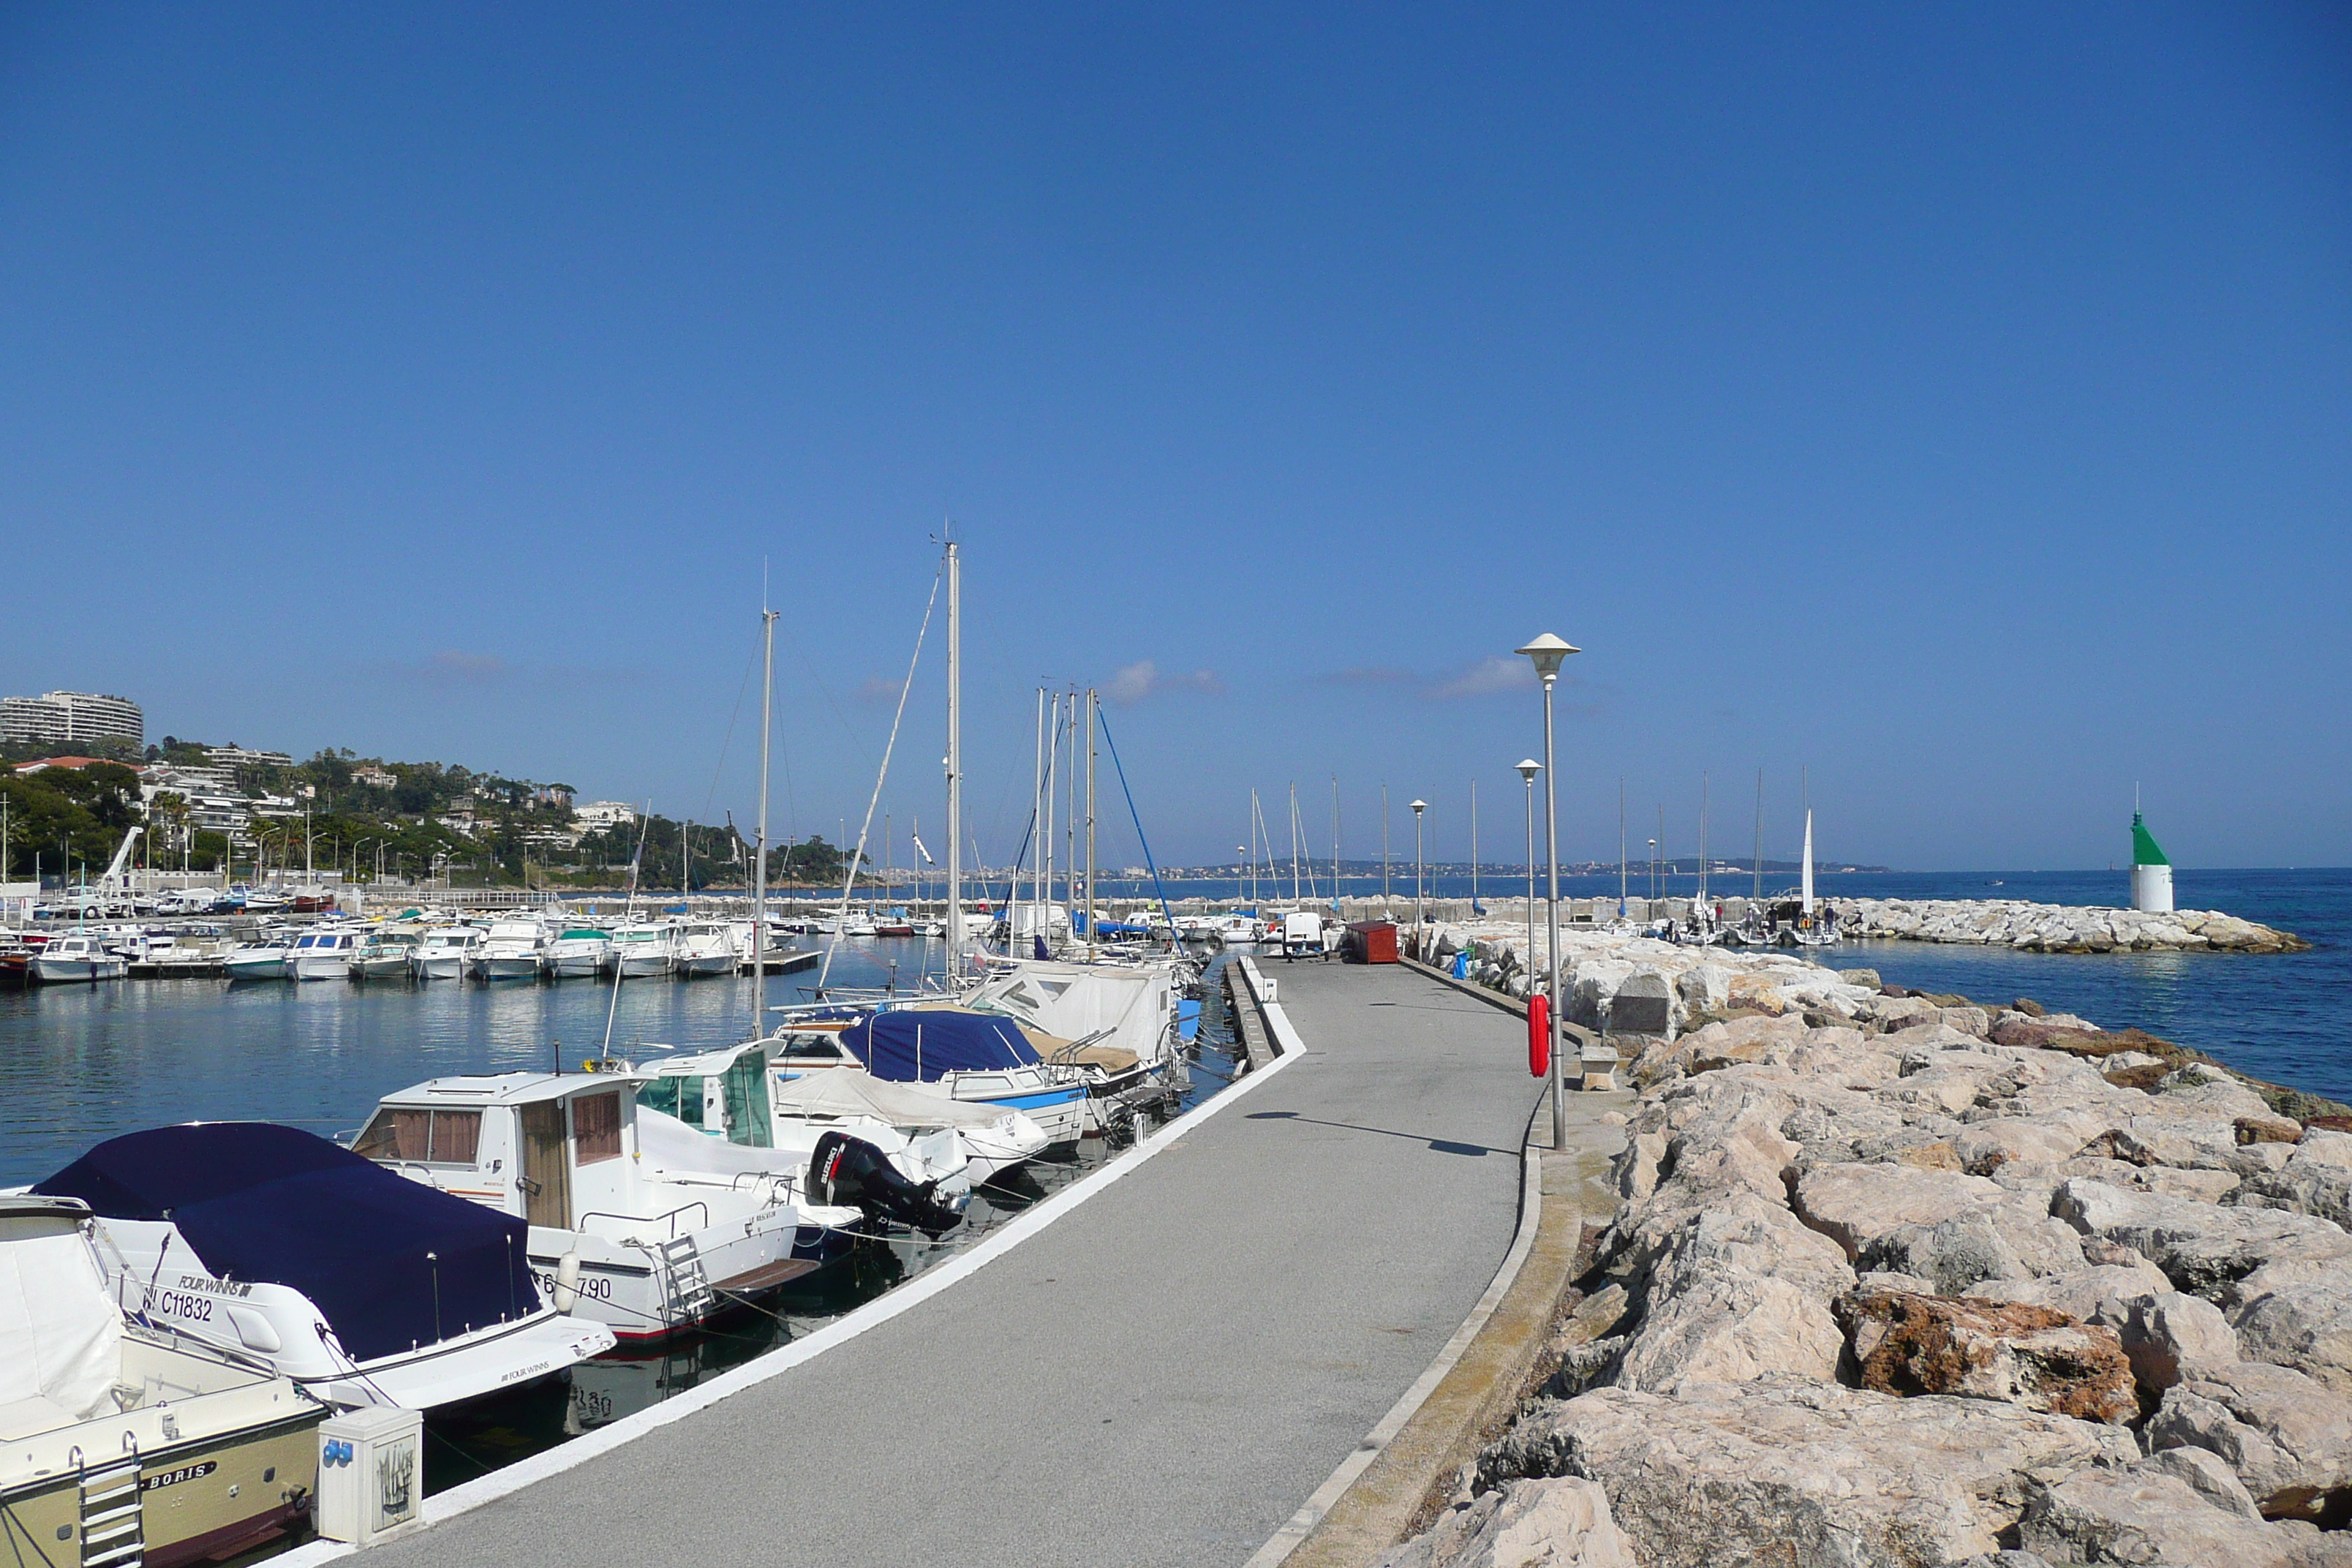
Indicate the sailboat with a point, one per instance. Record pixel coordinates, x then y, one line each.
1809 932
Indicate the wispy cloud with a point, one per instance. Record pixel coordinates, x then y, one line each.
878 692
1487 678
1143 678
454 667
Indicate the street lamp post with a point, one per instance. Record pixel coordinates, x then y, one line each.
1528 768
1420 918
1550 653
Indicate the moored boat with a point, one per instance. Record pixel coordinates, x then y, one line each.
131 1441
365 1288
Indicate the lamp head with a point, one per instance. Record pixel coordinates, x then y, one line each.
1419 806
1529 768
1548 653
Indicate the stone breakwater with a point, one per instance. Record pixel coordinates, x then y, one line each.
2057 928
1984 1287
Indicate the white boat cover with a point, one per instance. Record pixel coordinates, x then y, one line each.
60 1333
845 1091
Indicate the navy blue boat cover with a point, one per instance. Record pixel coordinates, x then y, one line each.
277 1205
951 1042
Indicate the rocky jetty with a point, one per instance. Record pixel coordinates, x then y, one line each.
2057 927
1934 1285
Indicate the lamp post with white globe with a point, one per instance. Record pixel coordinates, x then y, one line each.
1550 653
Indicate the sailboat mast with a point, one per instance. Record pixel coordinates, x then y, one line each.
1335 841
1702 837
1474 845
1090 821
1294 841
1759 862
1621 846
759 871
1037 810
955 761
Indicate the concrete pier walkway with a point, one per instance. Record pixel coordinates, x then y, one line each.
1163 1376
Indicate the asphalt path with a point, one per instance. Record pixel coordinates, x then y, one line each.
1163 1376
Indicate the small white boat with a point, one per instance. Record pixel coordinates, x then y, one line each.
435 1306
262 959
951 1054
512 950
76 960
325 953
643 950
824 1087
706 947
446 953
579 952
384 955
617 1234
128 1440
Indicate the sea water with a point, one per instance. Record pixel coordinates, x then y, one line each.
2286 1017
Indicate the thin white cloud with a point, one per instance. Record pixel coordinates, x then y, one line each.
1488 677
1133 683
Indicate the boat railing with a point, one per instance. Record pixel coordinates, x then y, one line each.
671 1217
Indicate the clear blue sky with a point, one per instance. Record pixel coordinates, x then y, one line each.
1951 401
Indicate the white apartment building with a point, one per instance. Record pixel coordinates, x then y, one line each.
71 718
595 815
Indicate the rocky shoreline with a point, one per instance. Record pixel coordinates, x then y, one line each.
2057 927
1905 1279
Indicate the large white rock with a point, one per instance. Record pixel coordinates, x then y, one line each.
1729 1324
2203 1248
2288 1438
1783 1470
2142 1514
1561 1522
2170 1336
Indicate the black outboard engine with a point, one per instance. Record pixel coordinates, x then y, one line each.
850 1171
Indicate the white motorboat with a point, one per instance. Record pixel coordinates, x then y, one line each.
325 953
825 1088
264 958
643 950
77 959
512 950
642 1245
975 1058
706 947
363 1288
578 952
126 1439
446 952
1112 1025
720 1103
386 954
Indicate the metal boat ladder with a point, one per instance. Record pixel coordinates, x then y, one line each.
689 1285
113 1515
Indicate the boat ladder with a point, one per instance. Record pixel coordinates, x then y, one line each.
113 1515
689 1285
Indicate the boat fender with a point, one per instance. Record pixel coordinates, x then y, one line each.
567 1282
1538 1035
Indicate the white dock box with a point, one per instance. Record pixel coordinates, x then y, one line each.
370 1472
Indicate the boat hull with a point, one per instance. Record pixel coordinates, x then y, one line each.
451 967
198 1499
518 966
324 966
576 965
77 970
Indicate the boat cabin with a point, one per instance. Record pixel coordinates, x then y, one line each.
556 1149
722 1092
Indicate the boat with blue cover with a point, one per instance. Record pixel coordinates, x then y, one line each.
365 1288
973 1058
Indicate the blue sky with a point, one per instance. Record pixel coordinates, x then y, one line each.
1950 402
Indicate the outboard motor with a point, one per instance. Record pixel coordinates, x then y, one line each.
846 1169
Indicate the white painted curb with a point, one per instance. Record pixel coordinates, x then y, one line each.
474 1494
